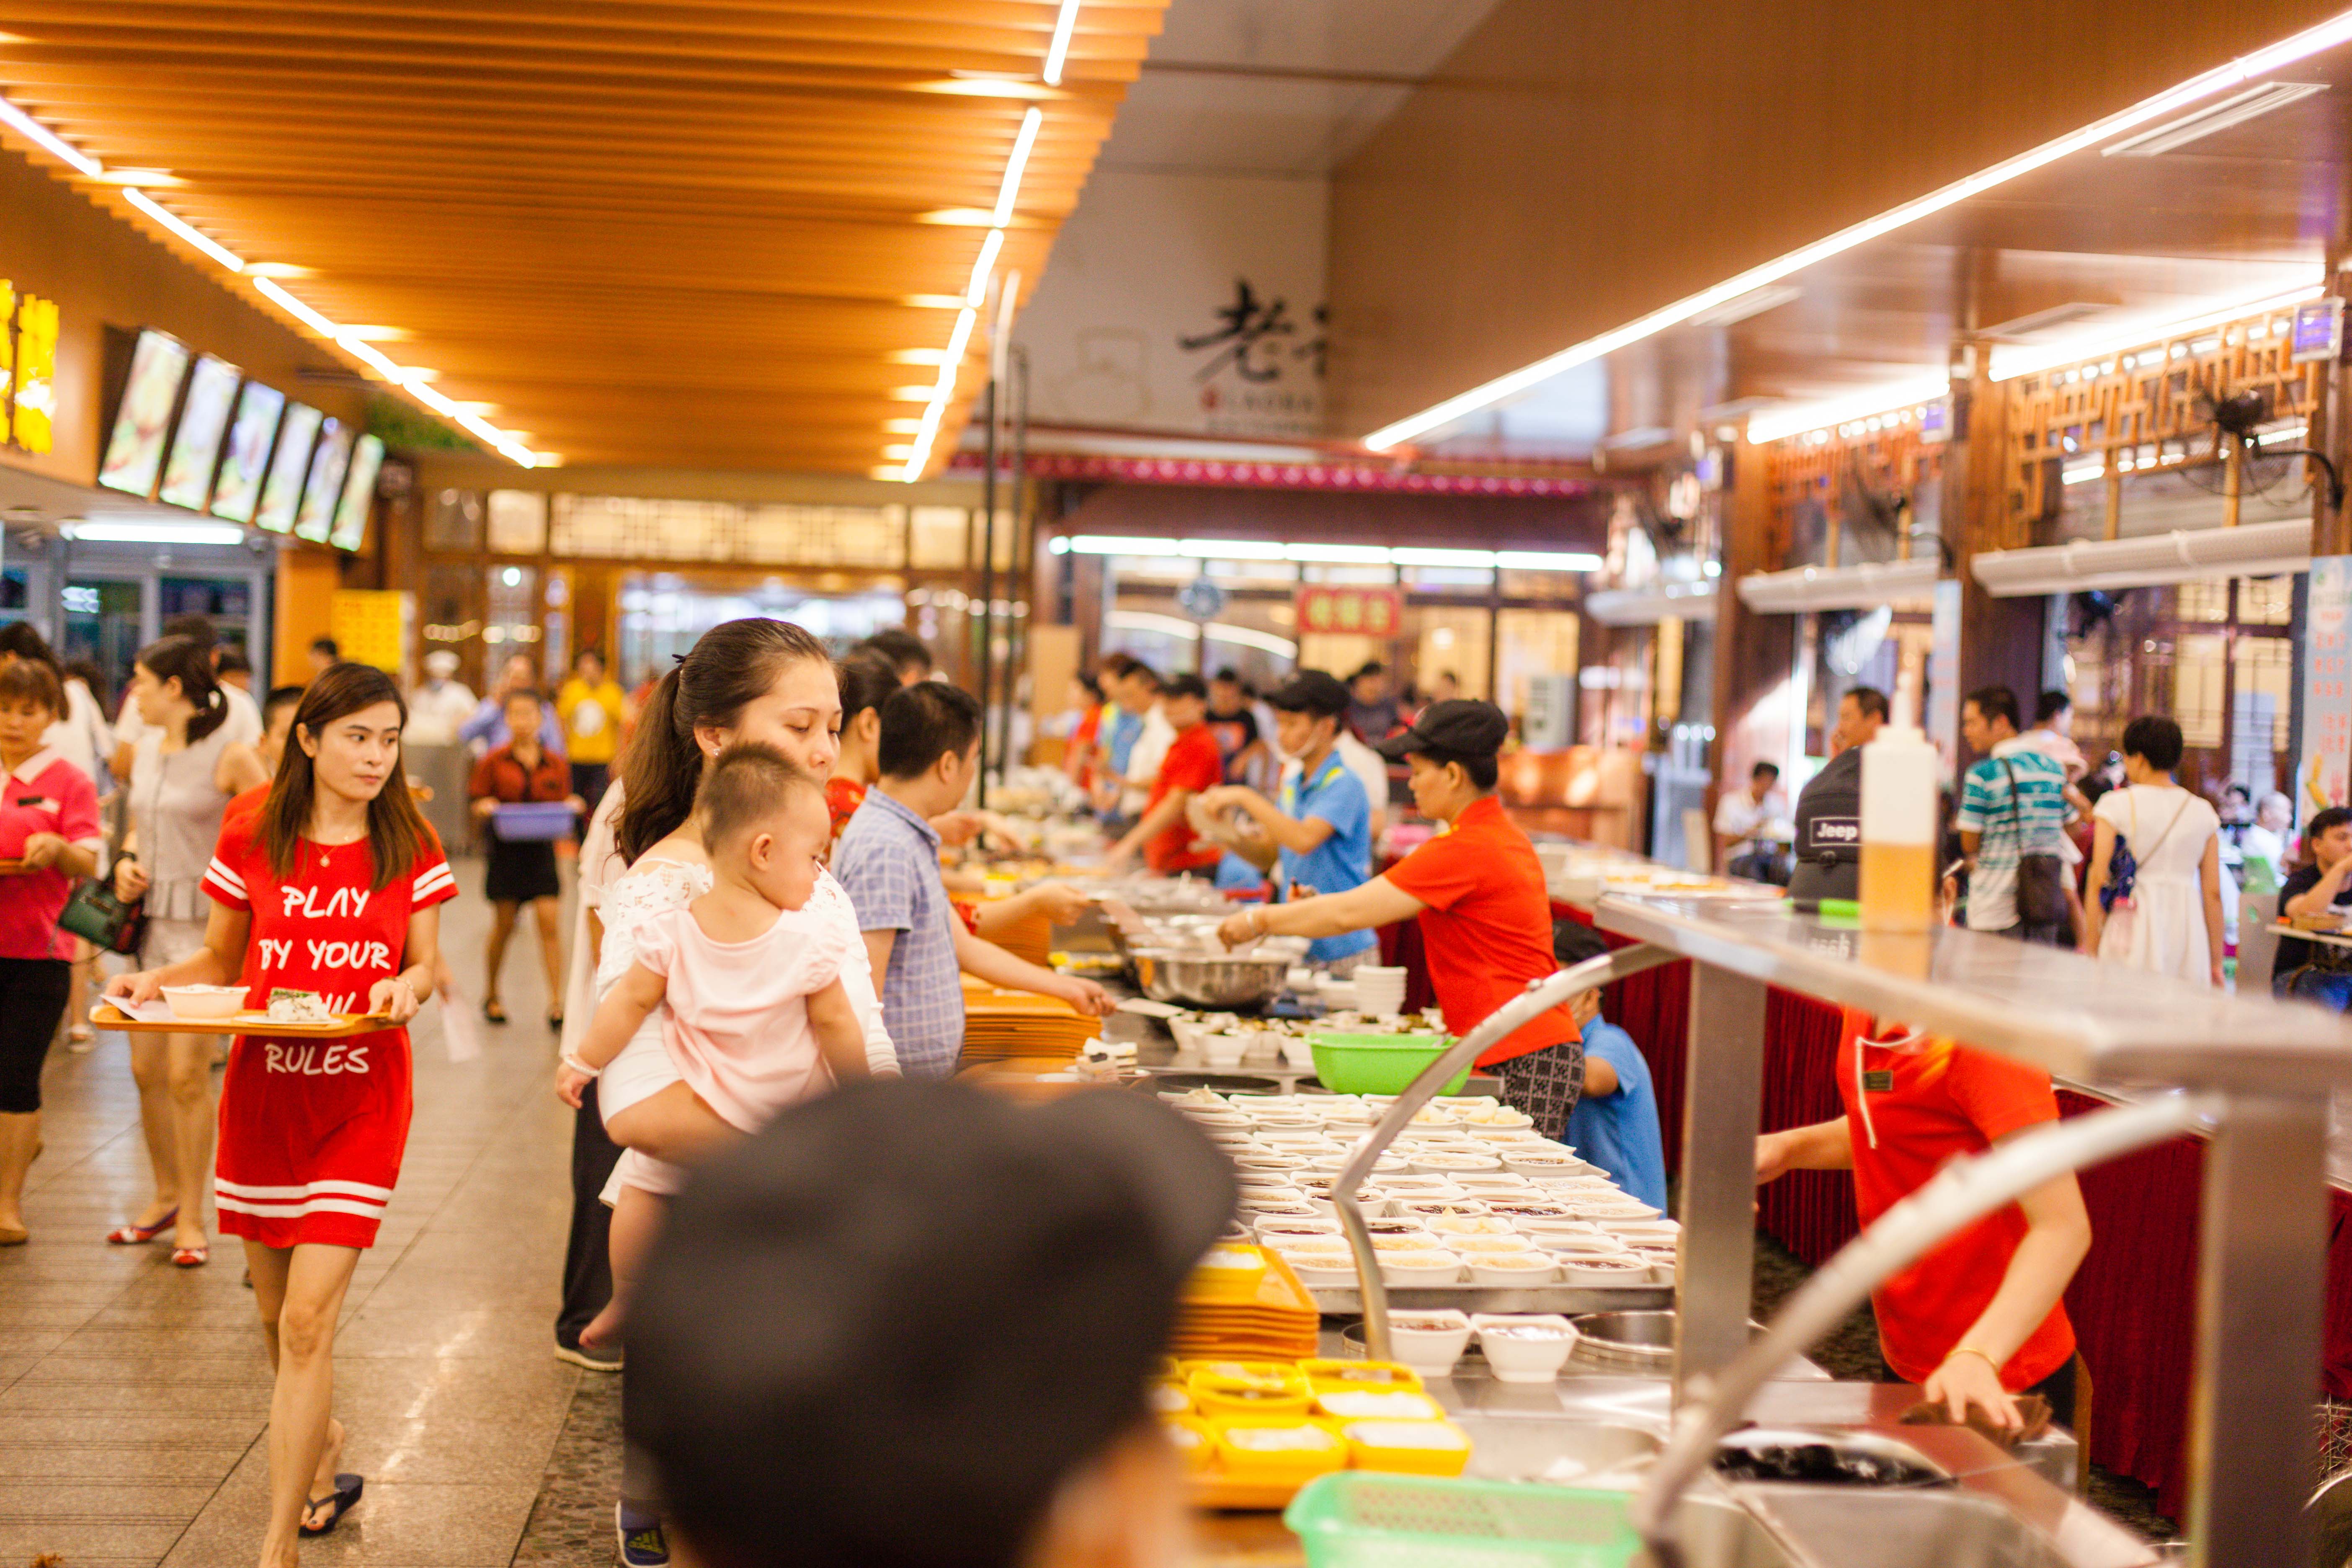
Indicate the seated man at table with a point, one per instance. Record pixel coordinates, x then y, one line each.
1615 1124
1981 1315
2317 971
914 1324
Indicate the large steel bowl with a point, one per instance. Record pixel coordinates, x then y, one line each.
1220 980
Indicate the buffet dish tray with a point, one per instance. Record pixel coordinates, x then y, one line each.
107 1016
1344 1300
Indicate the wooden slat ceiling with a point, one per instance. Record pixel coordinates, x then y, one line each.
689 233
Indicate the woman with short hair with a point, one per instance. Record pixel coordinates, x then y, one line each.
2169 920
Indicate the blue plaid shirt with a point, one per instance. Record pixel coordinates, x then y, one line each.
888 863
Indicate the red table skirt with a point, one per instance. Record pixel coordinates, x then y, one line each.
2133 1301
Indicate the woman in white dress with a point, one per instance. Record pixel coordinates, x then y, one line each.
753 680
2169 921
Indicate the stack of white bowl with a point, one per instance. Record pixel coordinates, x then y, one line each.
1379 992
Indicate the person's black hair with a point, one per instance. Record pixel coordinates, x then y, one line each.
2241 791
902 647
1869 702
533 692
1116 665
1093 685
1995 702
1138 670
2154 739
748 784
2050 704
1574 941
867 678
181 659
85 671
735 663
1229 675
1185 685
278 697
197 629
30 680
2321 821
1370 666
923 722
1765 771
22 639
232 661
326 646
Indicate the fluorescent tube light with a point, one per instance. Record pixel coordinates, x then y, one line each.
1115 544
1796 419
2008 363
1546 561
1057 53
1214 631
2310 41
269 289
104 533
1229 549
1412 556
172 221
1342 554
2234 110
977 293
1009 190
48 141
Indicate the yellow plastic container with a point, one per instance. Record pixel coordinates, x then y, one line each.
1170 1399
1323 1375
1194 1440
1277 1450
1217 1396
1343 1405
1271 1373
1407 1447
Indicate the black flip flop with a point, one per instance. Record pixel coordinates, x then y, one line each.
345 1497
495 1013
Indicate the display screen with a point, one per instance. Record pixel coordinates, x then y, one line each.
283 492
196 444
134 451
326 482
246 463
359 495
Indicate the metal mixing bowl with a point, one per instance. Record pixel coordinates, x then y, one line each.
1223 980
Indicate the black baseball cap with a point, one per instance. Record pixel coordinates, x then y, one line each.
1455 728
1314 691
887 1327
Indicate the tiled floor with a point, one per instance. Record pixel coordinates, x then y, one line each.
134 1395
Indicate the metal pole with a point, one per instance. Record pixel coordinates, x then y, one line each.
1721 1108
1020 577
987 571
2262 1260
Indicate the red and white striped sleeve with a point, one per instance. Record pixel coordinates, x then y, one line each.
232 858
431 882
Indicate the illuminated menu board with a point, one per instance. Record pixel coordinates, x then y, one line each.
196 444
359 495
135 450
325 486
283 492
246 462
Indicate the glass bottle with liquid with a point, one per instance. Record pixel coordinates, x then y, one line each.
1898 830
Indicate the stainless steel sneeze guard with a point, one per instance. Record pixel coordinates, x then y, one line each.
2267 1067
1540 996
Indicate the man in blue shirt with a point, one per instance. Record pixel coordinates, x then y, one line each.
1616 1122
1320 838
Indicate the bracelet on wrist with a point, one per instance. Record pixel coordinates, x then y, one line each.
582 1069
1985 1356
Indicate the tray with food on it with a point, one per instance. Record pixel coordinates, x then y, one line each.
221 1010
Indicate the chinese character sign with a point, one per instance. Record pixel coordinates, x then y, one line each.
1360 612
2324 759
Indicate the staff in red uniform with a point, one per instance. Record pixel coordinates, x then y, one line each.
1477 892
332 887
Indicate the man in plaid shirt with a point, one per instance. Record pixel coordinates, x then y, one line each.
888 863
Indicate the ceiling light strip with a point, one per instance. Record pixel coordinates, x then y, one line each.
2008 363
2312 40
411 381
1009 191
1797 418
1152 548
1057 54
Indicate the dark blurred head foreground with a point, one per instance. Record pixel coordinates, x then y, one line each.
887 1331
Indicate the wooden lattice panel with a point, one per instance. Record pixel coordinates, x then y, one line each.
2138 409
1899 457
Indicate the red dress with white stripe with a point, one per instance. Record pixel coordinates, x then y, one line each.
311 1131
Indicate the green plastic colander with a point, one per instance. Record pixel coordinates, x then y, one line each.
1361 1519
1377 1064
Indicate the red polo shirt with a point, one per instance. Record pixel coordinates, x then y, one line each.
1912 1111
45 794
1192 763
1487 928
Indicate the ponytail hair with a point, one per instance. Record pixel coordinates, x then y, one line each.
734 665
185 660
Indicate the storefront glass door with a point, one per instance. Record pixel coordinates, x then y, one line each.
104 621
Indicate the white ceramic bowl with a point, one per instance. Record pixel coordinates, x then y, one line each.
1537 1166
1279 1230
1322 1268
1619 1269
1585 1244
1444 1163
1430 1268
193 1001
1518 1209
1525 1348
1487 1245
1508 1268
1405 1241
1460 1222
1437 1208
1428 1342
1224 1050
1643 1233
1662 1266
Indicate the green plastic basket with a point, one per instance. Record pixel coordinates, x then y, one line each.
1378 1064
1361 1518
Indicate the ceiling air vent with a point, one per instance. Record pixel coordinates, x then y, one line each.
2234 110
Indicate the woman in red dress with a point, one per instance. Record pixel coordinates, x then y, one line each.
332 887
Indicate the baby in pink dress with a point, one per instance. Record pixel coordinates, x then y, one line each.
757 1017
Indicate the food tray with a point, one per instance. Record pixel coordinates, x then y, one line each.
106 1016
1342 1300
533 822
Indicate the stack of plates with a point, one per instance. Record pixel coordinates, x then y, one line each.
999 1025
1243 1304
1380 993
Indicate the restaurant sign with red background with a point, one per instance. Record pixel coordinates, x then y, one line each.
1355 611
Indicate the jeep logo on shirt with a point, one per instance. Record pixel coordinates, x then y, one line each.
1834 833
